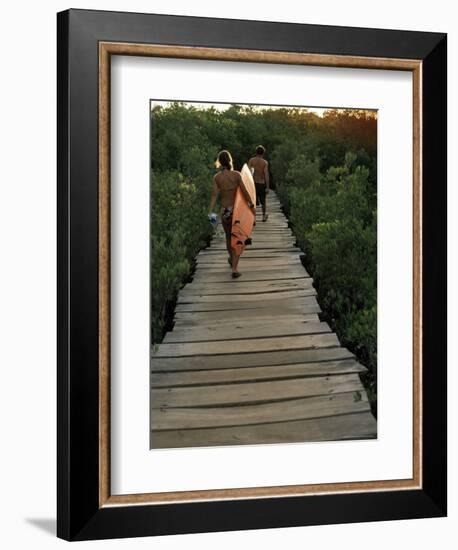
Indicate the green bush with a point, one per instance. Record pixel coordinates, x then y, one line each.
179 229
335 225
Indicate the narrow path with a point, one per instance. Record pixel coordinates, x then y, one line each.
248 360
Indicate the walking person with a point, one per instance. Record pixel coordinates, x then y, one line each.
225 184
260 170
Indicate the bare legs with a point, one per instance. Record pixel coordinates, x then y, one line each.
233 256
235 263
263 201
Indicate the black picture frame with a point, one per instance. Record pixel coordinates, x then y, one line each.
79 514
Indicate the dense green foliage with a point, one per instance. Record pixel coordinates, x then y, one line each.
324 170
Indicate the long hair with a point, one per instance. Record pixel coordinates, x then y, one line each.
224 159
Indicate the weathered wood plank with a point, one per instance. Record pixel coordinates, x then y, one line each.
252 374
269 318
239 286
265 247
260 253
266 238
258 235
273 232
272 226
243 331
203 277
248 346
298 305
361 425
280 229
254 392
277 252
264 413
275 215
255 315
286 278
249 261
243 360
235 297
250 265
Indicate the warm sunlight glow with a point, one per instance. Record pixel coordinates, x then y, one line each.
319 111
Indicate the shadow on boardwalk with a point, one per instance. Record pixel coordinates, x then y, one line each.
248 360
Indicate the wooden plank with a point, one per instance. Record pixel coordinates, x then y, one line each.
260 253
273 215
258 246
248 346
277 252
244 360
243 331
361 425
250 275
252 286
189 320
221 262
280 226
299 304
279 229
272 235
252 374
269 245
266 237
273 210
282 271
249 261
254 392
276 219
273 225
235 297
276 232
240 286
308 313
288 306
250 265
263 413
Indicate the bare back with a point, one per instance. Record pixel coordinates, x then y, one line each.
260 166
227 182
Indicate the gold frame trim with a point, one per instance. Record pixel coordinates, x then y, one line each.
106 50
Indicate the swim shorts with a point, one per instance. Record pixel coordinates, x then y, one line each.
260 193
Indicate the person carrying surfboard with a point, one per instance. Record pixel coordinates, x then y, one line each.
260 170
225 184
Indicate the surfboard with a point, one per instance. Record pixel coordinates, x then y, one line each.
244 215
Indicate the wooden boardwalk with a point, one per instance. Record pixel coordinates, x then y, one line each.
248 360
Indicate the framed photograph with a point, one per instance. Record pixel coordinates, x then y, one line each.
251 274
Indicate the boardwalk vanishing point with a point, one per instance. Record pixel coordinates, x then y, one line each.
248 360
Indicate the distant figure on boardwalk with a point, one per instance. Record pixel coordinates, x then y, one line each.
225 184
260 170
